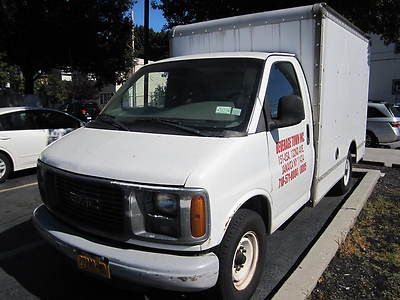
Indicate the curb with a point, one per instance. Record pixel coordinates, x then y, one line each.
304 278
384 157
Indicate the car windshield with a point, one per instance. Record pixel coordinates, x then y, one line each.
211 96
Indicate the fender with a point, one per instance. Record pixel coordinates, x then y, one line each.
241 201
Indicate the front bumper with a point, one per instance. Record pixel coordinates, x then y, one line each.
164 271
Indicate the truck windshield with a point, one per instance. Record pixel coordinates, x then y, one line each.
212 97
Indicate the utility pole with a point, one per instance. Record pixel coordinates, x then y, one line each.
146 31
133 40
133 31
146 50
132 98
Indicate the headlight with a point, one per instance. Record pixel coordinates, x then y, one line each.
166 204
177 216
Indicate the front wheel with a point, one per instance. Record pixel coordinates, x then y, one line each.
241 256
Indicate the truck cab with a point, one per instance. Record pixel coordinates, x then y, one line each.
185 161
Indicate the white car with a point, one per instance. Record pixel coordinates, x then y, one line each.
25 132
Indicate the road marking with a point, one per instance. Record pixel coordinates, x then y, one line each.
18 187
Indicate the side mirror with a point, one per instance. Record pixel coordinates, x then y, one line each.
290 112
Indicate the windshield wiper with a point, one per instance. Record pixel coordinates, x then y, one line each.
177 124
111 120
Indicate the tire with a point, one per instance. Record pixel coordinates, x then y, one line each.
5 167
241 256
371 140
344 184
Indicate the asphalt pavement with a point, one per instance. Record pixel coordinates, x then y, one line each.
31 269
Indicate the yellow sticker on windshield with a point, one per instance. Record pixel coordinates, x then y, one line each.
226 110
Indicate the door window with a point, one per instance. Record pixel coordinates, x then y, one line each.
282 82
374 113
23 120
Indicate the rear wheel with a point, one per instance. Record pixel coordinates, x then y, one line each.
5 167
241 256
344 183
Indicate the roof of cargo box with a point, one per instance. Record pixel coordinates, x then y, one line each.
242 54
268 17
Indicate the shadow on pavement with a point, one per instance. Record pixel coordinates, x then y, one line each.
42 271
22 173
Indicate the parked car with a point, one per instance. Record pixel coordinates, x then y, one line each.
25 132
85 111
383 125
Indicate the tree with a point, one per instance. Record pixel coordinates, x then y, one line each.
91 36
52 90
9 74
158 42
372 16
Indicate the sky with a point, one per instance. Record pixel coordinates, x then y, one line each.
156 19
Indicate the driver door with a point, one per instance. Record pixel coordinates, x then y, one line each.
291 148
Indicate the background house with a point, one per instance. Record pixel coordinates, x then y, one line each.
384 81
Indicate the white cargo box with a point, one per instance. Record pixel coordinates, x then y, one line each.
334 57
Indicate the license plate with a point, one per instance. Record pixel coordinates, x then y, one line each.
93 264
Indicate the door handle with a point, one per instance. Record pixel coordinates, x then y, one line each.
4 138
308 134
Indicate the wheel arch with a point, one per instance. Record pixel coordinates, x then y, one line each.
258 202
261 205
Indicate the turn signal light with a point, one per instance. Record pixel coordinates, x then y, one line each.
198 216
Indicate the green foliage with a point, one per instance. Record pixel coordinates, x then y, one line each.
373 16
89 36
158 97
83 88
55 91
10 74
158 42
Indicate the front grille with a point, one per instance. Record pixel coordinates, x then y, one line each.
91 204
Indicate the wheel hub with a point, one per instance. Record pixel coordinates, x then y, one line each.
347 172
2 168
245 260
240 258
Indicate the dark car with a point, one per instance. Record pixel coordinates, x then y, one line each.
85 111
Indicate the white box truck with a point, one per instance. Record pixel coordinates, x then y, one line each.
199 157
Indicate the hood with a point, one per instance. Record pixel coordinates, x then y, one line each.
132 156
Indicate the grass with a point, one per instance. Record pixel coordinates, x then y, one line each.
367 265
